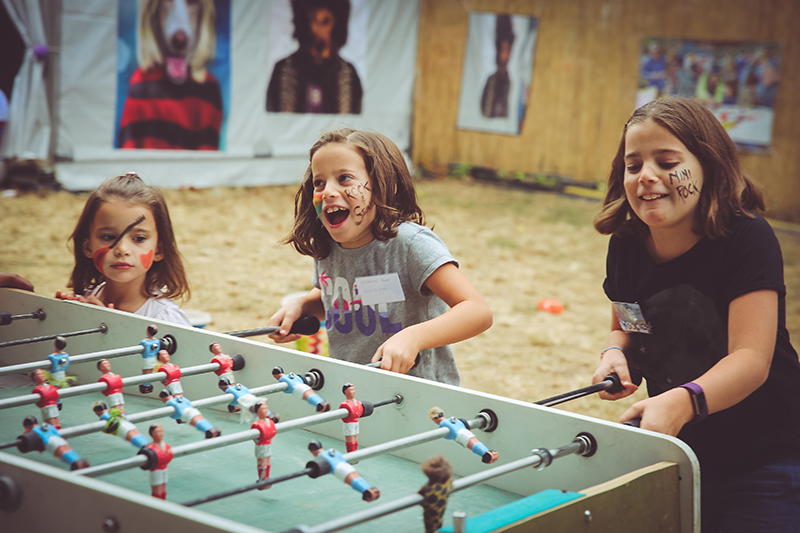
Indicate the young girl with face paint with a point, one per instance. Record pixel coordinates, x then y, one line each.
383 281
126 256
696 281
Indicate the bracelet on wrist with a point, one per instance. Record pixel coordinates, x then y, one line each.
611 348
698 397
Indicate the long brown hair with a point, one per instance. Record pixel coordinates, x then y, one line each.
166 277
393 195
727 190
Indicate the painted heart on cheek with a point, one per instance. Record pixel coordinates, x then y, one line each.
147 260
99 257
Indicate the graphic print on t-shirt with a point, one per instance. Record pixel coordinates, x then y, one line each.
349 314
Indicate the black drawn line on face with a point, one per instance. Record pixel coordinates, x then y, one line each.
130 227
680 175
685 191
359 192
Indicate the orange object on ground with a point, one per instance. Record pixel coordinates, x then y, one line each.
551 305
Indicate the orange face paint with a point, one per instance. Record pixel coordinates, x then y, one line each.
99 258
147 260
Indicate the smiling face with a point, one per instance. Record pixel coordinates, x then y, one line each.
663 179
133 255
343 195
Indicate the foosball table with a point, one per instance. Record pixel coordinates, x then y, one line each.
555 471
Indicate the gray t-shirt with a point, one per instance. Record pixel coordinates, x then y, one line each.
356 330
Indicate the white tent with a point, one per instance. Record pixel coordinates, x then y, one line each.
97 43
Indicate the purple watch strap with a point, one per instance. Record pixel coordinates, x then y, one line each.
698 400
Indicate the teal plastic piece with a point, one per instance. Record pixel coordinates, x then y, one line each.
515 511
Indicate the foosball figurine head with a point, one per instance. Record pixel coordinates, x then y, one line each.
29 422
163 357
60 343
165 396
152 331
349 391
436 414
104 366
436 492
223 384
38 376
157 433
215 348
277 372
315 447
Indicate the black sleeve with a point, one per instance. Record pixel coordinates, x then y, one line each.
755 256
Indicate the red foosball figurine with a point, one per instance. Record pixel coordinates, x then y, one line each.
173 372
49 403
266 430
113 392
355 410
158 454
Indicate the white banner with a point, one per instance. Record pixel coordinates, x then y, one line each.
110 96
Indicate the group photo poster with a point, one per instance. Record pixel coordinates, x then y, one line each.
497 73
737 81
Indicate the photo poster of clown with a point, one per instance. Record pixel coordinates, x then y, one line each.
498 68
173 74
317 58
737 81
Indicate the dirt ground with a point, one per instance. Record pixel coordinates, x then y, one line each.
516 247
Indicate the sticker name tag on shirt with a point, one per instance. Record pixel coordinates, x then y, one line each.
382 289
630 318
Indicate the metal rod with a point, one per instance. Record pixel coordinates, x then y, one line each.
247 488
152 414
102 328
579 393
8 318
95 387
210 444
416 499
349 457
611 383
94 356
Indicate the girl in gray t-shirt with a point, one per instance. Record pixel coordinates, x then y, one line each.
386 286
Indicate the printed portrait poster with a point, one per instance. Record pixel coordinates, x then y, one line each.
317 57
498 67
737 81
173 75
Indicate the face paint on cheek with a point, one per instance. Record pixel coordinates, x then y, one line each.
318 203
147 260
99 257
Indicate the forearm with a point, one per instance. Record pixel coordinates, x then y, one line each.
733 379
462 321
312 304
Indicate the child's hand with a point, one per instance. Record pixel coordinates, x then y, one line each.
285 317
614 362
15 281
94 300
67 296
399 353
666 413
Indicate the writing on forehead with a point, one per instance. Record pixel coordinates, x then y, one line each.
138 220
680 176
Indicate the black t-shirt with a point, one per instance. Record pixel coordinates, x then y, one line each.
685 301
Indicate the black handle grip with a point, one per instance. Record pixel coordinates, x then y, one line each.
633 422
305 325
